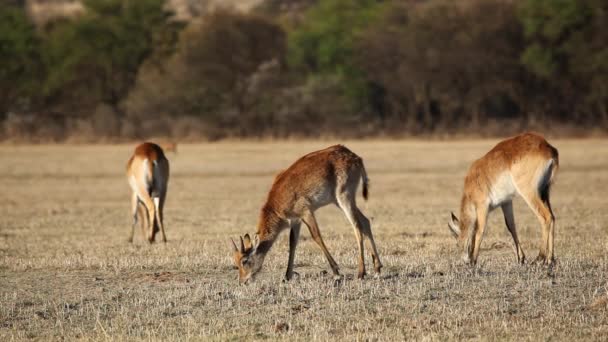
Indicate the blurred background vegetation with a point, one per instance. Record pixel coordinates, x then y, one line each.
106 70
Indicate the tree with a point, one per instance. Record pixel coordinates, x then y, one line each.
325 43
95 58
567 47
210 75
436 64
20 69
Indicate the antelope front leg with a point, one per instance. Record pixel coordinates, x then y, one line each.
294 236
481 226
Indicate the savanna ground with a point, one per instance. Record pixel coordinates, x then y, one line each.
67 271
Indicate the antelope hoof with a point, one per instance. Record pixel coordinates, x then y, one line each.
540 259
290 276
469 261
466 258
338 279
361 275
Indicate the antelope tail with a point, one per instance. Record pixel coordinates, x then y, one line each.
365 182
555 158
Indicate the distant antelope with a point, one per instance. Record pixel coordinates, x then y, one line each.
170 147
148 174
317 179
526 165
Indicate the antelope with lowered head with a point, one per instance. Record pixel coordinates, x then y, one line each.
526 165
148 175
328 176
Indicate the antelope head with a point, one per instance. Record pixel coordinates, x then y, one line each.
246 259
462 238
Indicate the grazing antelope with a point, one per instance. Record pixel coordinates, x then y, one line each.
526 165
148 174
317 179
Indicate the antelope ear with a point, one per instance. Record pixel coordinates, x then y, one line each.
256 239
247 241
454 226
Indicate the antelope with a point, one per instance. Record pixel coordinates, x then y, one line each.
526 165
328 176
170 147
148 174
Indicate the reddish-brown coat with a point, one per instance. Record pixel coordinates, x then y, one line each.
317 179
524 164
147 150
292 188
148 175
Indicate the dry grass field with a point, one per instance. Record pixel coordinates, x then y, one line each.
67 271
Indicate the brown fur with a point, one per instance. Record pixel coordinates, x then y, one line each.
148 175
317 179
529 164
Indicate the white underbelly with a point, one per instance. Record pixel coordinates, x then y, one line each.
502 190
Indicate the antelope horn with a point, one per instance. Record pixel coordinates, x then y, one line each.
242 245
233 245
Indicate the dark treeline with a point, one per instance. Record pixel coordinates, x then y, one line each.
349 68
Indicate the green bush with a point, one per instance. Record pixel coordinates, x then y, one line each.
325 43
